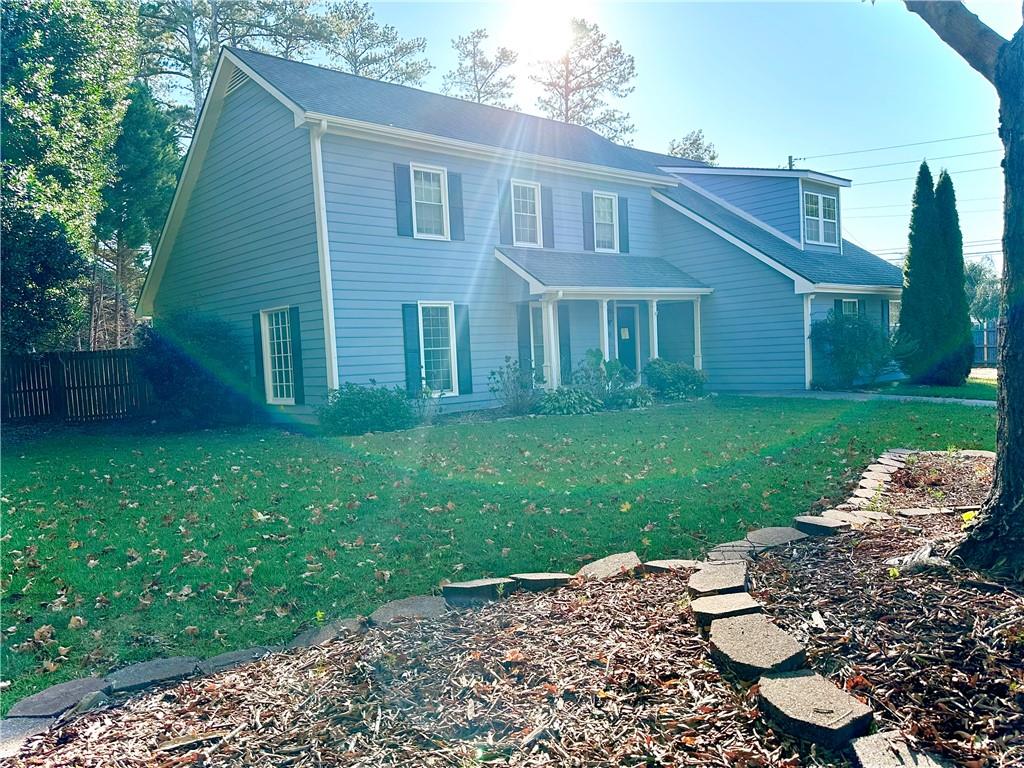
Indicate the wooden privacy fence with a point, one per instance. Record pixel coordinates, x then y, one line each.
985 343
73 386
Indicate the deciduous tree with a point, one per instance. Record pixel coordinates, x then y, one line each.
479 77
360 45
693 146
982 285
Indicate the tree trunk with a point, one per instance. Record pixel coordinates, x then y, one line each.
996 542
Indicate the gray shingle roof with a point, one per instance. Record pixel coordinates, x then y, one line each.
573 269
338 94
659 159
854 266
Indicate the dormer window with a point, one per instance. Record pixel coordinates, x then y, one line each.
821 225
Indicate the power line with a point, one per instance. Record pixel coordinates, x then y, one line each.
909 162
897 146
904 215
908 204
911 178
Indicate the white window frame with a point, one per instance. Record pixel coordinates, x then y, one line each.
536 201
450 305
413 167
268 373
856 307
615 221
820 218
899 305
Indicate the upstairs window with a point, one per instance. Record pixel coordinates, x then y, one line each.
429 202
278 363
820 219
525 213
606 222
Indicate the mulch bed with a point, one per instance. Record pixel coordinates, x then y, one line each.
937 652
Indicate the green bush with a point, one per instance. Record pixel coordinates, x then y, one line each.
609 382
198 368
847 349
629 397
513 387
569 401
674 381
354 409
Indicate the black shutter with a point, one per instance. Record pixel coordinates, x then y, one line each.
839 308
588 221
523 337
623 225
504 212
885 315
564 347
403 200
547 213
862 308
455 219
257 347
463 356
295 332
411 344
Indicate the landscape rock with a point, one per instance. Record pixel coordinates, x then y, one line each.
477 591
231 659
416 607
707 609
740 549
971 453
900 451
147 673
872 514
850 516
889 749
961 508
880 476
537 582
774 537
924 511
89 701
752 645
883 469
806 705
15 731
326 633
871 484
865 493
57 698
895 463
670 566
718 579
858 501
816 525
611 566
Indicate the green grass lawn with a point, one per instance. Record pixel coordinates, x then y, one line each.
201 542
974 389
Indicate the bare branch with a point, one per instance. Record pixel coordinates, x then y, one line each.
962 31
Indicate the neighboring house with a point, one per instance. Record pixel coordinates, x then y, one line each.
362 231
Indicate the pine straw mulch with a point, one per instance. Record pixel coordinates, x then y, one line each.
938 653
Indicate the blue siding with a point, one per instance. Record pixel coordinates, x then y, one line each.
248 237
773 200
752 324
675 331
825 189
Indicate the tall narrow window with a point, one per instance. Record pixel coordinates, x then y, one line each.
537 340
430 202
437 347
525 213
894 314
851 307
606 221
278 365
821 222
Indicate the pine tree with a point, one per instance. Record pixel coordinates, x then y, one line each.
953 332
479 77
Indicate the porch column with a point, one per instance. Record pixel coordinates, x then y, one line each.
603 319
551 372
653 316
698 359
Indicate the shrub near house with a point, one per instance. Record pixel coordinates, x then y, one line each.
850 348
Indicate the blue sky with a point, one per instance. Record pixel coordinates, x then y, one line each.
766 80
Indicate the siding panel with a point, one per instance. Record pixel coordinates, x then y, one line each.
773 200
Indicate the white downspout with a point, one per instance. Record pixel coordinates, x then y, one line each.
323 248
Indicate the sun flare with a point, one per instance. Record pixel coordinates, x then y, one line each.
539 30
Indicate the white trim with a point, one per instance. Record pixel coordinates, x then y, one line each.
602 319
443 172
808 362
615 220
820 218
534 285
800 202
268 374
552 374
698 354
652 318
530 306
801 284
512 204
856 307
824 178
454 358
296 110
323 248
841 288
741 213
636 327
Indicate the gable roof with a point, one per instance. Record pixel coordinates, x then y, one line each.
854 266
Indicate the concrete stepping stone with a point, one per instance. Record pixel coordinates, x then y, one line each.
741 549
971 453
924 511
89 701
816 525
806 705
707 609
765 538
230 659
752 645
15 731
57 698
718 579
894 463
670 566
537 582
147 673
901 451
866 493
882 469
961 508
880 476
857 502
848 516
872 514
889 749
416 607
611 566
477 591
871 485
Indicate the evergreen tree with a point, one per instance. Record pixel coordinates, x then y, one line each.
693 146
953 320
478 77
359 44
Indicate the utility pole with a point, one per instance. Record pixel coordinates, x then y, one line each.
791 162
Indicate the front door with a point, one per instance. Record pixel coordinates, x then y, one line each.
626 341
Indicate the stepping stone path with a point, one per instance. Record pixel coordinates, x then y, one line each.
611 566
477 591
881 469
418 607
752 645
718 579
894 463
871 484
150 673
865 493
732 550
707 609
670 566
537 582
816 525
774 537
58 698
810 707
890 750
852 517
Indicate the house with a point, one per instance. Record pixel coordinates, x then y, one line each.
362 231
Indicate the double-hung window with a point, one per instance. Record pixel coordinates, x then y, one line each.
278 364
821 223
851 307
606 221
894 314
429 202
437 347
525 213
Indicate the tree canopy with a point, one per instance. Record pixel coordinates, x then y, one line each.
358 44
693 146
479 77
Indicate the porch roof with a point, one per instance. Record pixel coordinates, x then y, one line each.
574 271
